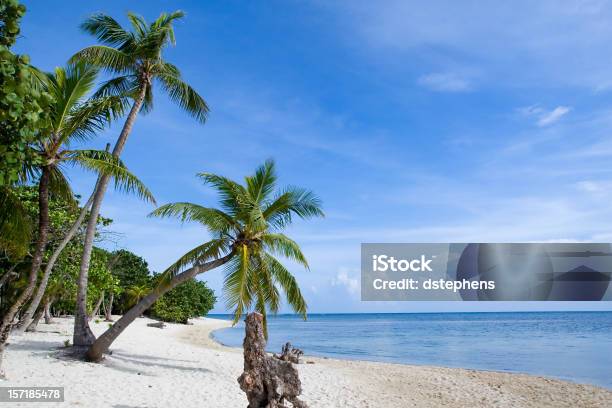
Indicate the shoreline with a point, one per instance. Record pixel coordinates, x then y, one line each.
185 366
358 360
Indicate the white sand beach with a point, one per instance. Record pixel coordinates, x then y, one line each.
181 366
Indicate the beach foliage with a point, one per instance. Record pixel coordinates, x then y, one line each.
191 299
131 271
23 103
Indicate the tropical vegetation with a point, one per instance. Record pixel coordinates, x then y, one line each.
54 256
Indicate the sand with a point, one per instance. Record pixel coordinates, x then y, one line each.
181 366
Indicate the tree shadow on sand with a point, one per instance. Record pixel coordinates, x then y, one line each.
114 361
33 345
127 406
36 347
116 353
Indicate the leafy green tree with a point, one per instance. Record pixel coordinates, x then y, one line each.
62 214
247 238
136 58
22 103
22 114
101 282
191 299
131 270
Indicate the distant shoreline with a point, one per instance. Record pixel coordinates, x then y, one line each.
556 345
215 315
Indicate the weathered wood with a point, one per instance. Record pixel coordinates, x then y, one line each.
290 353
159 325
266 380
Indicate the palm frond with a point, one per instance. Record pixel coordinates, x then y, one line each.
39 78
282 245
213 219
123 85
237 292
233 195
288 283
91 117
184 96
106 164
164 24
107 58
292 201
138 24
270 292
68 86
107 30
60 187
262 183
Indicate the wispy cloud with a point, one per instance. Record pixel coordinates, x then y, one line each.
457 33
545 117
553 116
445 82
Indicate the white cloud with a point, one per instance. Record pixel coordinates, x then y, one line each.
553 116
345 278
444 82
589 186
545 117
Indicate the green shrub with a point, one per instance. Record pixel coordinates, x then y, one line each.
191 299
22 104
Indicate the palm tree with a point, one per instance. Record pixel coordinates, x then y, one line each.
246 238
135 57
76 118
135 293
73 118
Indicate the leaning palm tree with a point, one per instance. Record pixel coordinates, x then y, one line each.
246 238
73 118
135 58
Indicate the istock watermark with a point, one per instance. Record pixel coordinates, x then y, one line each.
486 271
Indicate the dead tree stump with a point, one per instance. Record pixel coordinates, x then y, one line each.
267 381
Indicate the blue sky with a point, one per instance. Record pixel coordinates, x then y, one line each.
432 121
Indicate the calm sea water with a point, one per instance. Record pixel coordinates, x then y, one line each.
575 346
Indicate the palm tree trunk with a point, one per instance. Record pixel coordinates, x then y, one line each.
47 307
26 319
43 228
35 320
108 311
96 308
101 345
83 335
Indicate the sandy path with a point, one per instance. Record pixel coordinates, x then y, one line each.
180 366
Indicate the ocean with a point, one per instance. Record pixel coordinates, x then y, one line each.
574 346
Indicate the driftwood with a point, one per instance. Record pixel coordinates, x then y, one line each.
159 325
290 354
267 381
